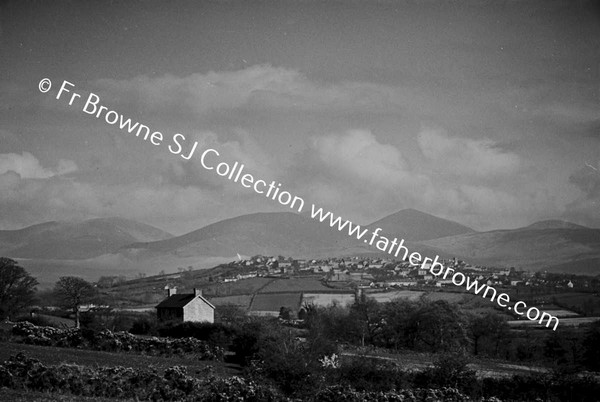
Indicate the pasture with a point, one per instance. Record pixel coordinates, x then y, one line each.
274 301
328 299
412 295
295 284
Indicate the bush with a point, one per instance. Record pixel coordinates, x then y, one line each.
144 326
336 393
450 370
368 374
106 340
216 334
23 373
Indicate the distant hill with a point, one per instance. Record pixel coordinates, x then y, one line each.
411 224
79 240
276 233
566 250
99 246
554 224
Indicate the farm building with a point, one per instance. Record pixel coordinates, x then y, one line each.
185 307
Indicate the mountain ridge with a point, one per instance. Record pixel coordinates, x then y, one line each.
550 245
75 240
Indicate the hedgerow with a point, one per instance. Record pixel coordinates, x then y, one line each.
23 373
107 340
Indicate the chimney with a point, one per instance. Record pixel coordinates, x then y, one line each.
171 292
197 292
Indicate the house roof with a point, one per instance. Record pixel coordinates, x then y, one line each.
180 300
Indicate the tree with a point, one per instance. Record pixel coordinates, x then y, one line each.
17 287
438 326
591 345
73 292
491 328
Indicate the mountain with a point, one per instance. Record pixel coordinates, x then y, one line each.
410 224
573 250
277 233
120 245
554 224
76 240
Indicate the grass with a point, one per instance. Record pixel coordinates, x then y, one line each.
31 396
309 284
413 361
240 300
274 301
53 356
397 294
327 299
243 287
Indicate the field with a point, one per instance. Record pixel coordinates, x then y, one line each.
450 297
13 395
52 356
571 322
327 299
243 301
307 284
243 287
411 295
274 301
413 361
561 313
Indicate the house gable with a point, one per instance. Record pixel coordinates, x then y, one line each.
186 307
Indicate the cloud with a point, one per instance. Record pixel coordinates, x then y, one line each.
586 208
466 157
256 87
358 155
27 201
28 167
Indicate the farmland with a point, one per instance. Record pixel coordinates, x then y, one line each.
269 301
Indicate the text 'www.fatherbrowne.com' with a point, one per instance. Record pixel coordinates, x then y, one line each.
210 159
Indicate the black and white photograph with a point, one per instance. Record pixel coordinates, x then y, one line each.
300 200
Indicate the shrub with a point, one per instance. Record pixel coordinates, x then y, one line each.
450 370
106 340
214 333
23 373
144 326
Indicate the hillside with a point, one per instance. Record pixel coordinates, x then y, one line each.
277 233
567 250
411 224
118 246
554 224
76 240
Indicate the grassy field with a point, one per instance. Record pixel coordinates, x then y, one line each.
450 297
413 361
567 322
53 356
30 396
243 301
274 301
397 294
308 284
327 299
243 287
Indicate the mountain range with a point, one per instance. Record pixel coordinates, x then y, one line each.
112 244
76 240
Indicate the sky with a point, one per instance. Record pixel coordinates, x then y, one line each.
482 112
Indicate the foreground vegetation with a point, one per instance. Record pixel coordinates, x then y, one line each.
357 353
292 361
